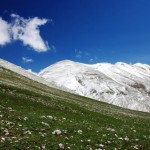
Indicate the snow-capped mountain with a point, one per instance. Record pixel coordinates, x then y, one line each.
120 84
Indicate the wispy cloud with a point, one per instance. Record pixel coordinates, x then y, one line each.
78 53
26 59
4 32
53 48
83 54
93 59
25 30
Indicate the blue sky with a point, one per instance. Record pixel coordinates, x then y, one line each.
88 31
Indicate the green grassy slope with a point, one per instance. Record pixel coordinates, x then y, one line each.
31 112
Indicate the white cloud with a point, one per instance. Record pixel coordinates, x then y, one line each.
27 60
27 30
4 32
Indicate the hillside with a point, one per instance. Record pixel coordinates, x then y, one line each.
36 116
121 84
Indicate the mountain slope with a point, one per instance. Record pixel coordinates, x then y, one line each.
36 116
121 84
21 71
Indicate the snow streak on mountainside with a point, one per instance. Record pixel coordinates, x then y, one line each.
120 84
23 72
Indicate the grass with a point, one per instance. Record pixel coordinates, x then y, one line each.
31 112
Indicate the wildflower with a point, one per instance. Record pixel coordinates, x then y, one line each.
110 129
2 139
25 118
50 117
27 132
56 132
43 146
101 145
134 130
66 138
79 131
61 146
46 124
65 131
126 138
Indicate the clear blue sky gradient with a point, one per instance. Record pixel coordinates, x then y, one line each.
104 30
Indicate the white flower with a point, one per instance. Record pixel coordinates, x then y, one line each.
66 138
101 145
134 130
43 146
126 138
79 131
135 147
56 132
27 132
25 118
42 134
89 140
2 139
46 124
61 146
110 129
50 117
65 131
